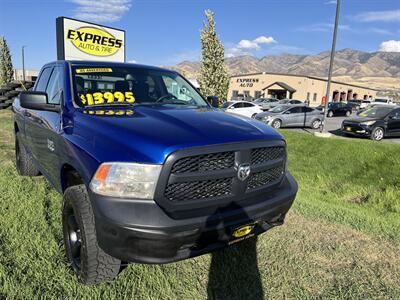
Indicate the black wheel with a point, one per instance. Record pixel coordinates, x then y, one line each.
276 124
89 262
330 114
316 124
377 134
23 160
348 113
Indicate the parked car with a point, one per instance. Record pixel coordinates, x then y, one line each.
283 101
148 170
377 122
292 116
244 108
264 102
337 109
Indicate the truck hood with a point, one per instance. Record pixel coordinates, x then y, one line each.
148 134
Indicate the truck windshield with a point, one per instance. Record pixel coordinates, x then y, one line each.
109 86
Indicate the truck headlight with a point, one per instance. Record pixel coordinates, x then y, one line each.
128 180
368 123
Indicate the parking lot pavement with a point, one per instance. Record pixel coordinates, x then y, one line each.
333 126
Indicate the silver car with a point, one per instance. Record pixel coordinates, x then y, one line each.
264 103
283 102
292 116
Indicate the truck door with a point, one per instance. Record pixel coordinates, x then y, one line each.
49 127
31 116
46 128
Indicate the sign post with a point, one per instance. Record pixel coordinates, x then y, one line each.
78 40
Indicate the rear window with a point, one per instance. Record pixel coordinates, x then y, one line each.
104 86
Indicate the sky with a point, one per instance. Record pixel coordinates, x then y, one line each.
166 32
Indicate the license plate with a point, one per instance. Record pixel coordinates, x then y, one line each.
241 233
348 128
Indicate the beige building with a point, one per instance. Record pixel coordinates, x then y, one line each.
304 88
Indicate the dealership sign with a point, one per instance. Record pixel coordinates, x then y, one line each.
78 40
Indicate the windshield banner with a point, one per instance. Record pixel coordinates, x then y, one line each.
78 40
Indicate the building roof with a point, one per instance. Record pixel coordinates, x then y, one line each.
283 85
304 76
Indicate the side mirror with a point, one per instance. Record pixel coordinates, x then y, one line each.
213 101
37 100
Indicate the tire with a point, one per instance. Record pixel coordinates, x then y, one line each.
23 160
330 114
377 134
316 124
89 262
276 124
253 116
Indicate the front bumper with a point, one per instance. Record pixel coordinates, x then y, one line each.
357 129
140 231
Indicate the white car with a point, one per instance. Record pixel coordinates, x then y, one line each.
242 108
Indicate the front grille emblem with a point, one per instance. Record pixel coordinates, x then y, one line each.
243 171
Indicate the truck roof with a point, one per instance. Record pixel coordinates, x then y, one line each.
91 63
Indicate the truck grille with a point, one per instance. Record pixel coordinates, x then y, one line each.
260 179
262 155
198 189
205 176
206 162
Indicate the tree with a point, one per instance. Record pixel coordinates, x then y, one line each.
6 67
213 79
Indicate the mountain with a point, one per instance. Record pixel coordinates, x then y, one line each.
348 62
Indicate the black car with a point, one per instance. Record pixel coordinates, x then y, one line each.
377 122
339 109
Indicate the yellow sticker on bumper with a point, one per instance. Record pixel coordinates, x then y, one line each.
94 70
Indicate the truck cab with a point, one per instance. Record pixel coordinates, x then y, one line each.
149 172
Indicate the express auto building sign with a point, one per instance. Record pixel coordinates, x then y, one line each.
77 40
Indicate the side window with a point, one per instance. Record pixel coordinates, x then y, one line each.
54 88
307 109
296 110
238 105
179 89
248 105
395 115
43 80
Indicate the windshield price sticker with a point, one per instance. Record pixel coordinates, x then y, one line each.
109 112
94 70
106 97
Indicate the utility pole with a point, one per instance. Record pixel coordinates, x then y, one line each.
328 87
23 63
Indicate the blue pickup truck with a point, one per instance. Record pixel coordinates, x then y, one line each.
149 171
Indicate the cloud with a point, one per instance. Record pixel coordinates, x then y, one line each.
381 16
379 31
322 27
331 2
132 61
390 46
245 46
101 10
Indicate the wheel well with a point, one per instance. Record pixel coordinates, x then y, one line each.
16 129
70 177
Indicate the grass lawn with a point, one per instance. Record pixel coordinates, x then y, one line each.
341 240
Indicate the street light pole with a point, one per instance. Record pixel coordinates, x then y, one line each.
328 87
23 63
